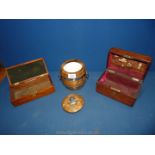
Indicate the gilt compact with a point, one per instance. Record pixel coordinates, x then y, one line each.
124 75
29 81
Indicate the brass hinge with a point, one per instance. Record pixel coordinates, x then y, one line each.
111 71
17 83
127 56
135 79
115 89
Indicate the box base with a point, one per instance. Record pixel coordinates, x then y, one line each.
115 95
29 98
30 91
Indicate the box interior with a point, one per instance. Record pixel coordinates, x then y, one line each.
25 71
124 75
33 88
120 84
131 67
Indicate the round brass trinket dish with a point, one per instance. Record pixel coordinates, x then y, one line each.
73 103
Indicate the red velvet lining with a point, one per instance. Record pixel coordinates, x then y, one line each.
125 85
127 71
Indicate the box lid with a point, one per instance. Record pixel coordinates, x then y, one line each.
26 71
128 63
2 72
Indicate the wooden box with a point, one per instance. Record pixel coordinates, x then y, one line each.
2 72
29 81
124 75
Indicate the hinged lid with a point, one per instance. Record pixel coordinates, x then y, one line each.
129 63
26 72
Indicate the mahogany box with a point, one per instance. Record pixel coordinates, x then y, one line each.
124 75
2 72
29 81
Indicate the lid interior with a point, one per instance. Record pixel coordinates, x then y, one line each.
25 71
131 67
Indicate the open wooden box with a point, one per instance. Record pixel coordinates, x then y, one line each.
124 75
29 81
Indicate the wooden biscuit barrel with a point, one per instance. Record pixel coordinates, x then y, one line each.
73 73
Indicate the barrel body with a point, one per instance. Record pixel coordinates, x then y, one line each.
73 73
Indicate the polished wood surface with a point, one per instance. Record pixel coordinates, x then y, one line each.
114 93
131 55
80 76
2 73
32 88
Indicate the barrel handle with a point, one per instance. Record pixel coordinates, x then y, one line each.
87 75
59 77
